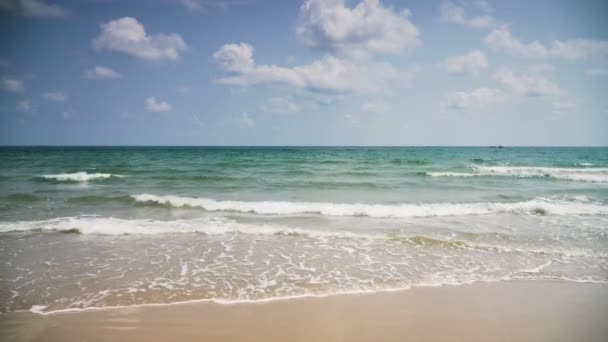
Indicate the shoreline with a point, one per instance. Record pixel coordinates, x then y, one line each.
37 309
536 309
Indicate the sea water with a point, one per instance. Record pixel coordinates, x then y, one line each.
96 227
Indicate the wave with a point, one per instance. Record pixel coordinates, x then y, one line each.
215 226
116 226
539 206
89 225
209 226
595 175
79 176
451 174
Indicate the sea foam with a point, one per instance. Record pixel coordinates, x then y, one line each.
536 206
217 226
79 176
210 226
596 175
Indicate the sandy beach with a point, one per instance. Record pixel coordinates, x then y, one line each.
506 311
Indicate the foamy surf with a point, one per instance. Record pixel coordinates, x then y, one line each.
79 176
301 222
244 268
116 226
595 175
539 206
219 226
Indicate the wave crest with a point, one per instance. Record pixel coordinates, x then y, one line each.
216 226
79 176
595 175
539 206
116 226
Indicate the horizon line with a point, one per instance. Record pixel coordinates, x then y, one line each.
108 145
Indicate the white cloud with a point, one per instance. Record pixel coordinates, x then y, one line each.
24 106
452 13
279 105
597 72
12 85
473 62
476 98
368 27
244 120
127 35
32 8
528 85
329 74
501 39
100 73
235 57
375 107
55 96
154 105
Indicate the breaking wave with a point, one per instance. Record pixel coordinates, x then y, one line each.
216 226
596 175
116 226
79 176
539 206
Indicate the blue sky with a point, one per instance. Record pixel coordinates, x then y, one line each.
316 72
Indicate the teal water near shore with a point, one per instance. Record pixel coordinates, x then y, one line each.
166 224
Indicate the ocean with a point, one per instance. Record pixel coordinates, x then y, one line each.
95 227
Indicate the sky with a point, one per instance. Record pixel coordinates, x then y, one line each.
312 72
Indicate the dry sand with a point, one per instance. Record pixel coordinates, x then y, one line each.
507 311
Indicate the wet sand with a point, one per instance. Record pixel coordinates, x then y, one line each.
507 311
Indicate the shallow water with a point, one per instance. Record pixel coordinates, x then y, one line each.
95 227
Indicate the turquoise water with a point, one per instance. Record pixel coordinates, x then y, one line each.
166 224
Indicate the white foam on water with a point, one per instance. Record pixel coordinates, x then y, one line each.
222 226
374 264
79 176
210 226
38 309
536 206
595 175
451 174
